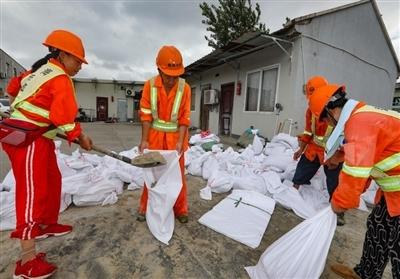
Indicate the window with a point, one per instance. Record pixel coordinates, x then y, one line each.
261 90
193 99
15 72
396 103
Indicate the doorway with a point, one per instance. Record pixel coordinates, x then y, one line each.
101 108
225 108
122 110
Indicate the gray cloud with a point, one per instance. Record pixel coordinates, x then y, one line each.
122 37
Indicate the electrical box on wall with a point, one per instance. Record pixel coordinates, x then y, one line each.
210 97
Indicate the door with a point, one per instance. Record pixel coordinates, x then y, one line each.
204 109
225 108
101 108
122 110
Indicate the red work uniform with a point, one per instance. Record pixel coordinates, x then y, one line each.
38 179
161 140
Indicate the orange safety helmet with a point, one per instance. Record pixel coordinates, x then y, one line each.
313 83
169 61
318 101
66 41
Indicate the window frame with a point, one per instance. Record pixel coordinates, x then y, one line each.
260 72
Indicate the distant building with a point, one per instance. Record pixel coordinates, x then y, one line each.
9 68
396 98
103 100
257 80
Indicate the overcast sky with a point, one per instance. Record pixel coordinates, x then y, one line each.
122 38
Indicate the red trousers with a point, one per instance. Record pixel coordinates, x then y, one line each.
181 204
38 186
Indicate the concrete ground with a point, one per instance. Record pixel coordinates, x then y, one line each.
108 242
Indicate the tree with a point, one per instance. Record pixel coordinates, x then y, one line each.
230 20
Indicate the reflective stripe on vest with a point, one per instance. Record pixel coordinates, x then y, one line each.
320 140
145 111
162 125
388 183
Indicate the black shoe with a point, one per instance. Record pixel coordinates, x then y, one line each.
183 219
141 217
340 219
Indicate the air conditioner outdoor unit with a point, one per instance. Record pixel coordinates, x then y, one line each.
210 97
3 75
129 92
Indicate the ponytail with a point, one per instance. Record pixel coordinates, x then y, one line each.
53 54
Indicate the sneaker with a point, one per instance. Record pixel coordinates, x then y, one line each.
183 219
344 271
54 230
340 219
141 217
37 268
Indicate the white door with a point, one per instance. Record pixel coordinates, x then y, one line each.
122 110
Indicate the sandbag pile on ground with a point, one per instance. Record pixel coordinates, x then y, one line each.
87 179
267 170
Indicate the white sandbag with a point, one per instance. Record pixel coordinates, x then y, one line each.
8 183
164 184
257 145
291 199
369 195
193 153
287 140
206 193
65 201
196 166
278 161
220 182
197 139
65 170
250 182
300 253
7 211
242 216
272 182
210 165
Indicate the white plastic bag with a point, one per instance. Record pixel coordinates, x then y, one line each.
243 216
164 184
300 253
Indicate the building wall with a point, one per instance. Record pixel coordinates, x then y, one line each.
88 91
9 68
264 121
349 47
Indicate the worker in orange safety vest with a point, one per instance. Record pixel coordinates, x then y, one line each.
370 138
44 98
165 116
311 148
